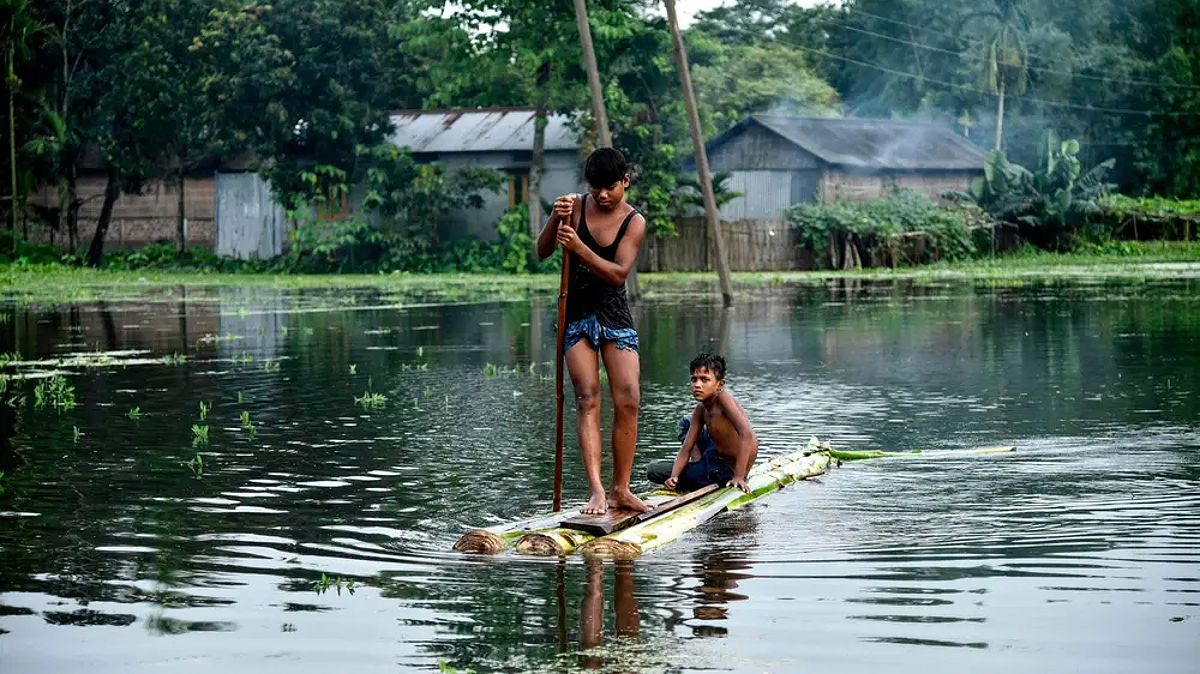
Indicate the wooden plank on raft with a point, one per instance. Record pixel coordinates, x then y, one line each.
616 520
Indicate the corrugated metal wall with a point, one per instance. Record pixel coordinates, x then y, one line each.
250 224
765 194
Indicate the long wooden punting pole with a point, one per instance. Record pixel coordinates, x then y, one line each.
558 378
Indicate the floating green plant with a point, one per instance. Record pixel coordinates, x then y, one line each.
371 401
244 417
323 584
11 357
199 435
204 409
196 465
308 331
134 413
270 366
490 370
75 434
54 392
244 359
428 391
353 368
240 398
420 351
174 359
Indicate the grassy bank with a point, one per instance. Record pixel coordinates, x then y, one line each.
57 283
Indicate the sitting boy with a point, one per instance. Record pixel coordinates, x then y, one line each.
719 446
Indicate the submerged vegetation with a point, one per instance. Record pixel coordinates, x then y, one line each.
54 392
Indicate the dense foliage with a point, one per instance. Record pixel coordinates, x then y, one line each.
901 228
153 90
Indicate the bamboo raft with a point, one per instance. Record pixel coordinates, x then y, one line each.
545 535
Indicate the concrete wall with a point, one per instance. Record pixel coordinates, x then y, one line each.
137 219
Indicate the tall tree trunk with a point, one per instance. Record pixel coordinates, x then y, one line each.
706 187
111 191
1000 116
603 133
68 208
180 214
599 113
12 140
537 161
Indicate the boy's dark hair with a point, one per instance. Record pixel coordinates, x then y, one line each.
711 362
605 167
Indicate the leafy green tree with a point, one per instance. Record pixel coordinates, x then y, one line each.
769 78
301 84
19 30
76 46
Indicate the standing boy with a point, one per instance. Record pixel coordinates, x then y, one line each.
603 235
719 446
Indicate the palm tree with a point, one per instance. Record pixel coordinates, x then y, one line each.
1003 52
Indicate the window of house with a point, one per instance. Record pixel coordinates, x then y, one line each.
518 188
337 208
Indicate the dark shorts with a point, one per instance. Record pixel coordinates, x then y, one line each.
597 333
709 469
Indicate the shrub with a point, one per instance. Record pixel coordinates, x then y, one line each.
904 227
1149 217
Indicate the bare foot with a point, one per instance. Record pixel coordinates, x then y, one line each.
623 499
596 505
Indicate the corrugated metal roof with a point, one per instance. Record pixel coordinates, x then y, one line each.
871 143
477 130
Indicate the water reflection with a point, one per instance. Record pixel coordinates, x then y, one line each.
109 537
592 613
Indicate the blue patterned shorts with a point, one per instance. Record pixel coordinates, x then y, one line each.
596 334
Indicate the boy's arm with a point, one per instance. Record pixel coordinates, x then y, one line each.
612 273
689 441
747 440
547 239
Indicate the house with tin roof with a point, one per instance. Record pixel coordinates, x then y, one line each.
500 139
776 161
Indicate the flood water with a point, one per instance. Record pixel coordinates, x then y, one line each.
1078 552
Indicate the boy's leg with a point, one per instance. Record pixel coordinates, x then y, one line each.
659 470
584 368
623 369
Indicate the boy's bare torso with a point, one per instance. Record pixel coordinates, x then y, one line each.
720 427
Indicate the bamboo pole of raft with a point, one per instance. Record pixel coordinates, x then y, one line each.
561 541
635 540
858 455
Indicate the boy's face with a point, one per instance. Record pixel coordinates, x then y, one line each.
705 384
609 197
